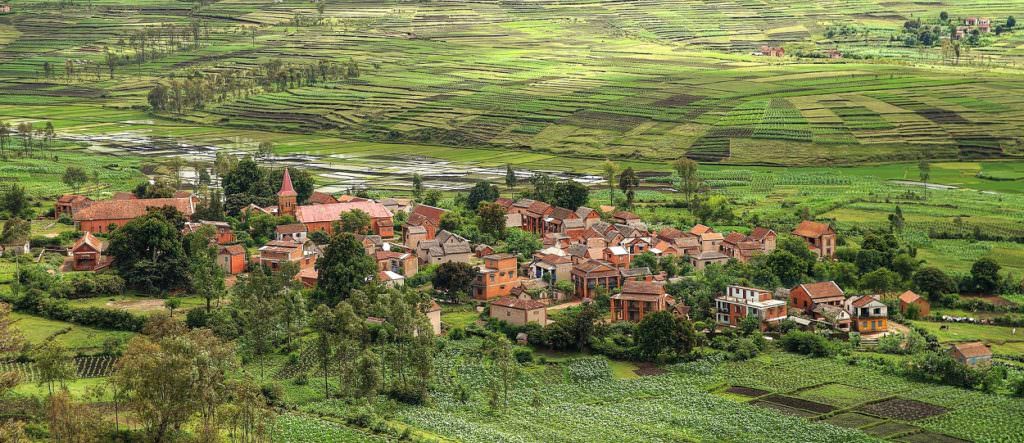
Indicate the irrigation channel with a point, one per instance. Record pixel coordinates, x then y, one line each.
336 172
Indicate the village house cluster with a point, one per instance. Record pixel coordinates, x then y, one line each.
588 250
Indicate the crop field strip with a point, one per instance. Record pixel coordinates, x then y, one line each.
428 79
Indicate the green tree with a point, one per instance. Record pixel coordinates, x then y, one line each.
322 345
15 201
265 150
924 170
628 182
880 281
491 219
896 221
148 253
16 231
609 169
1011 22
256 303
481 192
11 340
417 186
205 276
355 222
368 380
74 177
689 181
933 282
504 364
53 365
985 275
343 267
454 278
570 194
521 243
660 334
510 178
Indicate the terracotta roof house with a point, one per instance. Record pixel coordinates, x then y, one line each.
832 316
87 254
321 198
972 354
551 268
819 236
533 212
766 237
122 195
626 218
910 298
519 311
739 302
308 277
222 230
637 299
699 229
404 263
808 295
277 252
868 313
427 217
505 203
588 215
292 231
100 215
481 250
711 241
496 277
589 274
231 259
445 247
70 204
396 205
323 217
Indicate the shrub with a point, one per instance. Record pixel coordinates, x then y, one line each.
523 355
808 343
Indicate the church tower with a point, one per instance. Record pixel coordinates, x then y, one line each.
286 197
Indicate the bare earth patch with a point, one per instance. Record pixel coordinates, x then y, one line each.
746 392
137 305
648 369
903 409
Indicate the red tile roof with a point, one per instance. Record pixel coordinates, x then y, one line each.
321 198
129 209
760 234
516 303
735 238
331 212
92 241
643 287
824 289
232 250
423 214
286 185
973 349
290 228
700 229
909 297
810 229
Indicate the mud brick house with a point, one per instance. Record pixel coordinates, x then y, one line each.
87 254
590 274
402 263
427 217
70 204
626 218
445 247
972 354
551 268
869 315
434 315
231 258
819 236
533 213
703 259
277 252
910 298
497 277
833 316
321 198
739 302
637 299
101 215
292 231
588 215
223 234
808 295
519 311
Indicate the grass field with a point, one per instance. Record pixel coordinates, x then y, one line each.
75 337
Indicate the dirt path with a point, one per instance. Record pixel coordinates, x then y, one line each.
137 305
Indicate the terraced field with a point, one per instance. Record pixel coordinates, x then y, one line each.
652 79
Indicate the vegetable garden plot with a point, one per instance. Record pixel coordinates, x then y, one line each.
903 409
800 403
783 408
853 420
890 429
745 391
930 437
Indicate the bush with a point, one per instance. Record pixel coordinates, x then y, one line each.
808 343
75 286
36 302
523 355
197 318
